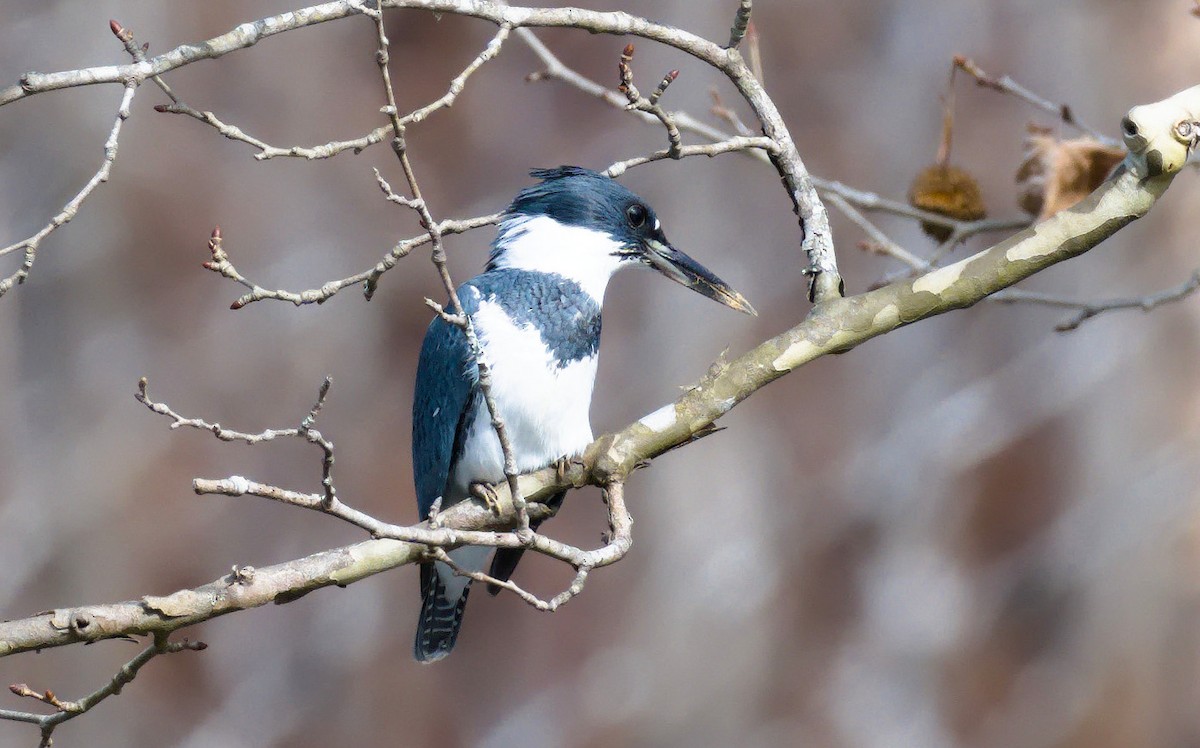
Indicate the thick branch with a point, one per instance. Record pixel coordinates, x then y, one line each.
843 324
833 327
248 588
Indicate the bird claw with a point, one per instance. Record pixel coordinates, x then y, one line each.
485 493
562 468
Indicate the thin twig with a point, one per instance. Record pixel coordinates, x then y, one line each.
438 256
31 244
879 241
740 21
734 144
68 710
649 105
221 265
556 69
357 145
617 544
720 110
328 502
304 431
1088 309
1005 84
546 606
434 535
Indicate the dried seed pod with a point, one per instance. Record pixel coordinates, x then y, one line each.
949 191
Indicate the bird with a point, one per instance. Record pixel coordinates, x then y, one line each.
535 311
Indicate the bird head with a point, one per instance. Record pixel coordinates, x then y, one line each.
585 226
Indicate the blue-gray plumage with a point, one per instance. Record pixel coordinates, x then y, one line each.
536 313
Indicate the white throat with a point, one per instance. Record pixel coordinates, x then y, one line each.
544 245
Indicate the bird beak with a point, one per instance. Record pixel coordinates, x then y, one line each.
684 270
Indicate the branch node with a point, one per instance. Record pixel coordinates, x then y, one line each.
741 21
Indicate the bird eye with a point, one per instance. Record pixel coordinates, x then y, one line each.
636 214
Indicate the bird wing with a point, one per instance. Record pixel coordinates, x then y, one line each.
447 385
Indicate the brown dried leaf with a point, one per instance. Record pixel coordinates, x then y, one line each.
1056 173
949 191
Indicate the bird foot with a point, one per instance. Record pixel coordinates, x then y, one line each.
562 468
485 493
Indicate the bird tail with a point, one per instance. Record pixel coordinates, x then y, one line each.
441 616
504 563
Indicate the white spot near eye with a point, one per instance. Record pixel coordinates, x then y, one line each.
657 224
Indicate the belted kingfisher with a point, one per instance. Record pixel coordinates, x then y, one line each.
536 313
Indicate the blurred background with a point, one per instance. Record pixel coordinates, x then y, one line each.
971 532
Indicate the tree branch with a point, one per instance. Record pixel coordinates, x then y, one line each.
31 244
1086 310
1005 84
68 710
833 327
816 238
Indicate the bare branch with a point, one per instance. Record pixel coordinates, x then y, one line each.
555 69
834 327
546 606
1007 85
879 241
1088 309
305 431
732 145
438 256
221 265
391 195
816 241
618 543
68 710
740 21
333 148
31 244
649 105
459 83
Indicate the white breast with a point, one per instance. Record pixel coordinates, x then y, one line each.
544 407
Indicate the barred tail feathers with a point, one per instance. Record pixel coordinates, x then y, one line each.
443 602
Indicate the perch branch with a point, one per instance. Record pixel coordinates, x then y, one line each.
833 327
